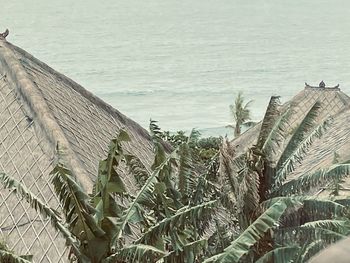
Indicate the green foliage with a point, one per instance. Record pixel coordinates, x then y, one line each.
8 256
136 253
240 113
306 182
270 117
165 220
257 180
183 211
203 149
250 236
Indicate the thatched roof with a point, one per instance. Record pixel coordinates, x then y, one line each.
336 253
39 108
336 140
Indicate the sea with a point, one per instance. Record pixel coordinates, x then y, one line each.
182 62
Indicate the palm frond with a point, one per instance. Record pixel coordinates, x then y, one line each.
317 208
137 169
10 257
271 114
155 130
144 194
340 226
188 252
189 214
240 113
248 198
108 176
185 171
40 206
280 255
194 136
306 182
136 253
20 189
203 187
310 239
276 135
343 200
294 153
228 167
309 208
241 246
298 136
289 200
108 179
75 203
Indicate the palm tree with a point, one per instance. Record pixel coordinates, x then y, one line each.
165 221
240 113
279 220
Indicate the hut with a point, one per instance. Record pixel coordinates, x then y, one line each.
332 146
40 108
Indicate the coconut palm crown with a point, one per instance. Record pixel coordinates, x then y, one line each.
240 113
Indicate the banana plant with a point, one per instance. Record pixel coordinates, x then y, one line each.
258 181
110 224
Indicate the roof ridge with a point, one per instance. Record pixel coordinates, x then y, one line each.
33 99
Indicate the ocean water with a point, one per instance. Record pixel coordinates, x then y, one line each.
182 62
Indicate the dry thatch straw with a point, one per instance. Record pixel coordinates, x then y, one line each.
336 141
40 108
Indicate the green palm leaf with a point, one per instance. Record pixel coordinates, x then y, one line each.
306 182
248 195
9 257
137 169
240 113
230 165
155 130
241 246
306 125
35 202
168 224
136 253
295 153
313 205
40 206
188 252
340 226
76 204
185 171
276 135
271 115
144 194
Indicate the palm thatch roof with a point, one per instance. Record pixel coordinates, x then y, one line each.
336 253
40 108
332 146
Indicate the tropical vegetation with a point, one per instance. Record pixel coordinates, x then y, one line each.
282 220
241 114
204 149
167 220
9 256
202 200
